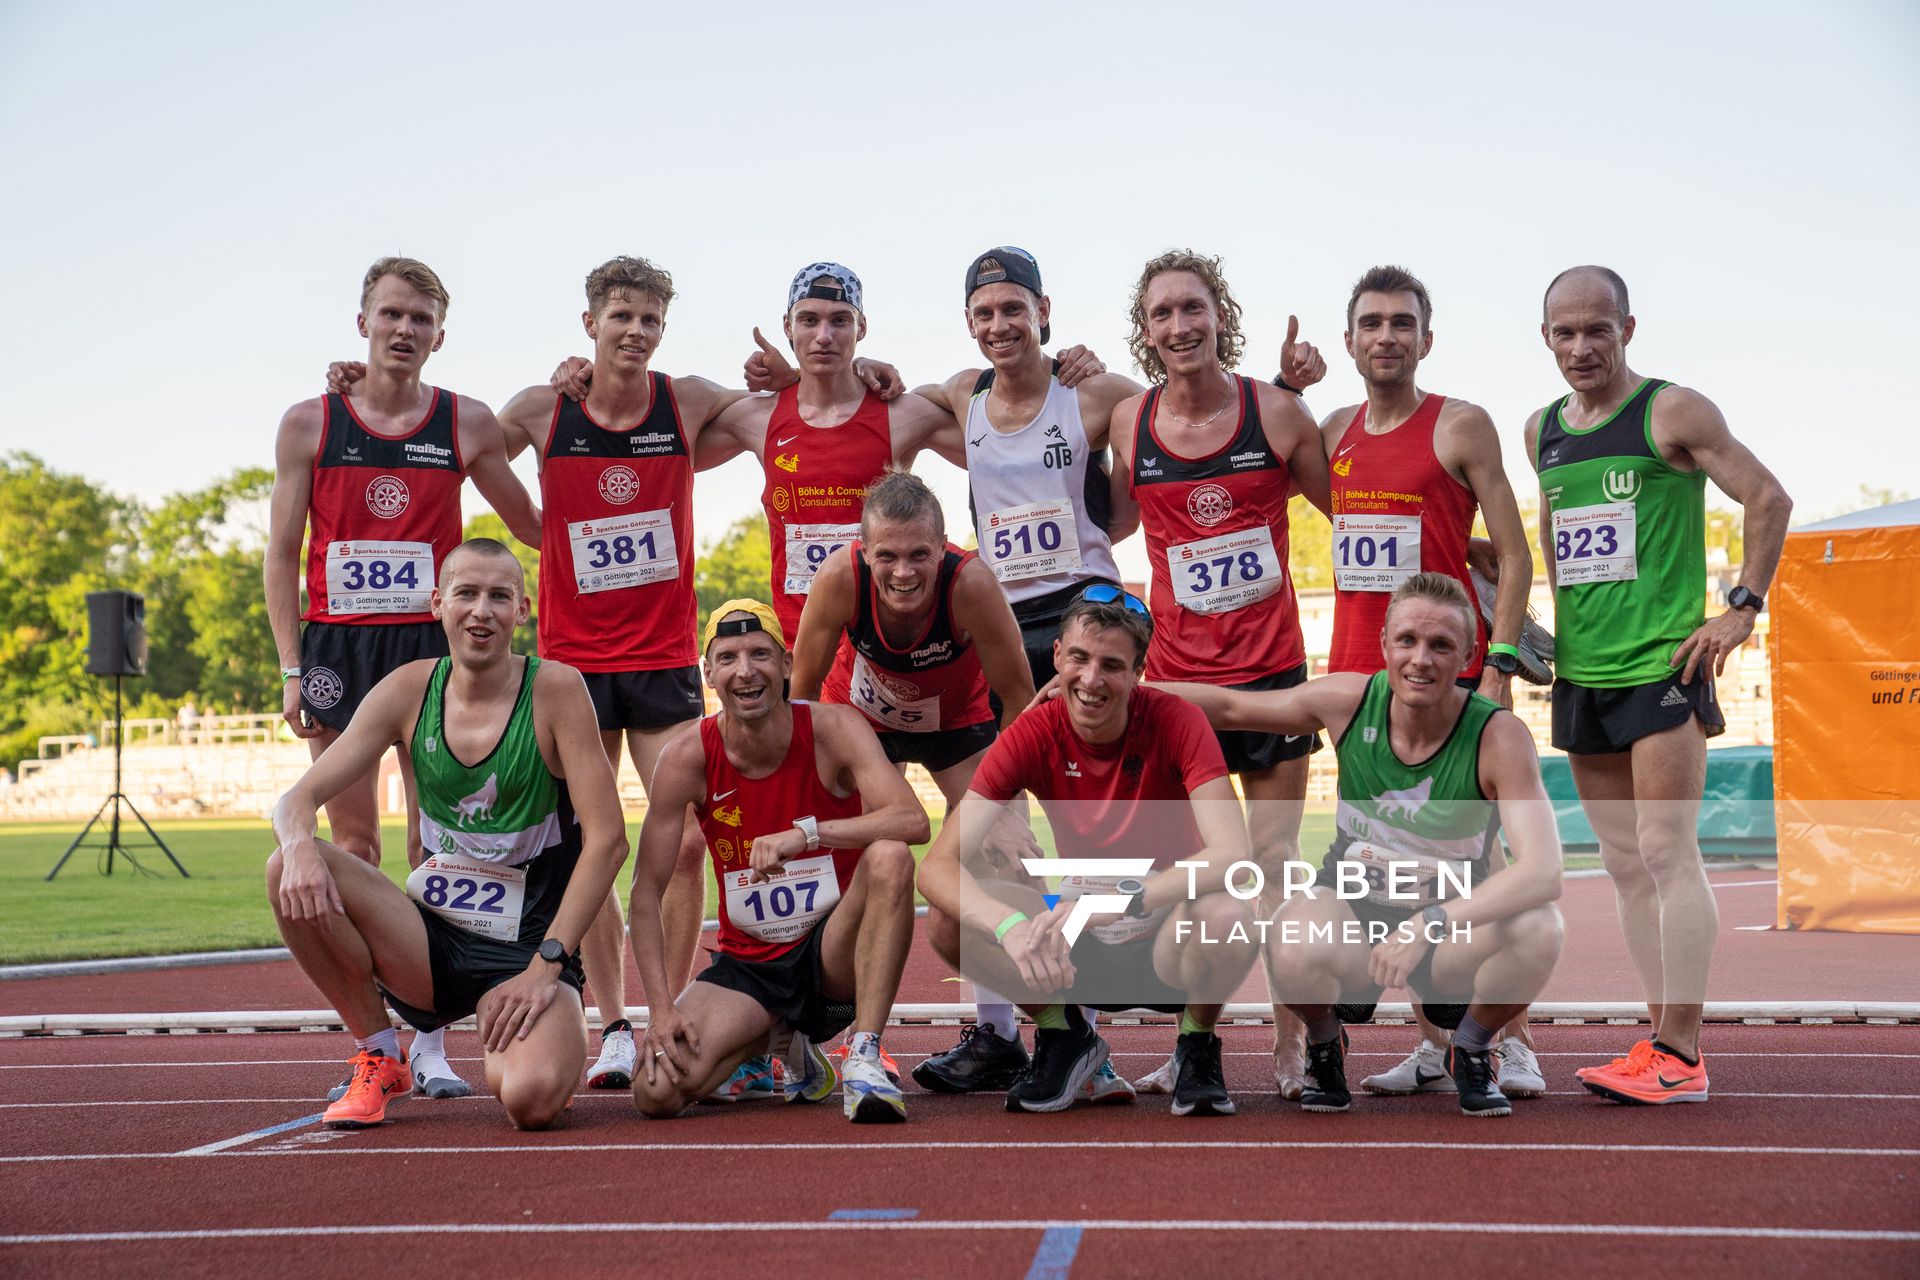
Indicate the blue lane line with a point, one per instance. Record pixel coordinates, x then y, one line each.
212 1147
872 1215
1054 1258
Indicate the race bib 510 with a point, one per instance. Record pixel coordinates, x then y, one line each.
1030 541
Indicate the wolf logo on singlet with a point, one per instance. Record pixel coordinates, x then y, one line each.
931 685
1223 607
816 487
617 540
384 513
762 920
1628 544
1396 511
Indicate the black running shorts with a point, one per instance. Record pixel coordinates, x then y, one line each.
1252 752
466 966
942 749
791 986
645 699
341 662
1593 722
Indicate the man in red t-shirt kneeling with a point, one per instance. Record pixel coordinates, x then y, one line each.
808 826
1146 826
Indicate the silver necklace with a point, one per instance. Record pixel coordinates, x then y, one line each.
1205 422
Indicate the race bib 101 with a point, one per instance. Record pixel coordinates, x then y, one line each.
1225 572
483 898
623 551
379 577
1030 541
808 546
786 905
1375 552
891 700
1595 544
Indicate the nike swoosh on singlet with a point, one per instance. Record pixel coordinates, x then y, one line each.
781 444
719 796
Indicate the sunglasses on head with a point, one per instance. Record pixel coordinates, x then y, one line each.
1103 593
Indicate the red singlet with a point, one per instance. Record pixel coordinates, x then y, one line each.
933 683
1121 799
616 546
759 921
384 512
1223 607
1396 511
816 487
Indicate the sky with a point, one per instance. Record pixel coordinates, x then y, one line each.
194 192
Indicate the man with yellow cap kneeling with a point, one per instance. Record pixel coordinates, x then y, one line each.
808 826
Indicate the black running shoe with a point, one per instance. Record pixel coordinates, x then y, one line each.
981 1061
1327 1077
1478 1080
1063 1062
1199 1086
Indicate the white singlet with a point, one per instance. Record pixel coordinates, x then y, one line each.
1041 529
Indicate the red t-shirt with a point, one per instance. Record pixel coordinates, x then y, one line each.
1101 799
764 919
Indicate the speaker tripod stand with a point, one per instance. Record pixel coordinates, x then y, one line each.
114 802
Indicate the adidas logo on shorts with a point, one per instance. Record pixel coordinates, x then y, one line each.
1674 697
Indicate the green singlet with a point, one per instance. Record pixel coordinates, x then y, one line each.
1425 813
1628 542
502 819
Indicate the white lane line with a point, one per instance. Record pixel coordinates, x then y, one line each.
869 1147
1283 1225
1745 884
240 1139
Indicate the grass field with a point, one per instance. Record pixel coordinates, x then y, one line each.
83 915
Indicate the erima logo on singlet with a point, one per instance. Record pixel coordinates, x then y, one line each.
1620 485
1073 769
1150 467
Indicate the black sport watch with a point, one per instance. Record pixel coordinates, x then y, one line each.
1741 598
553 951
1505 663
1136 898
1435 915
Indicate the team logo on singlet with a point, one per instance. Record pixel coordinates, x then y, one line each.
781 500
619 485
724 849
1396 806
900 690
787 462
729 816
1342 467
1059 455
322 687
1621 485
387 496
478 807
1209 504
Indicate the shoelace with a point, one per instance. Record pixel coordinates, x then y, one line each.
1638 1060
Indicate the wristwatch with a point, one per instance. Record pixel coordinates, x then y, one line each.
1505 663
1741 598
1136 898
1431 917
553 951
810 828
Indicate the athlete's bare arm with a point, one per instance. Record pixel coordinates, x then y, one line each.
1691 432
1120 428
851 754
952 395
1543 520
829 608
483 447
980 609
1295 438
1510 777
679 779
739 427
1223 842
386 716
294 449
1468 446
1098 397
1326 703
1036 946
527 421
918 423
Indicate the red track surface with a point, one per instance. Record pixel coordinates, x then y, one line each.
1566 1185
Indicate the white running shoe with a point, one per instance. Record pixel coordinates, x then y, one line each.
870 1096
1519 1069
1423 1071
810 1073
1159 1080
618 1057
434 1076
1105 1087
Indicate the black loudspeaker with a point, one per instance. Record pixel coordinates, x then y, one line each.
116 633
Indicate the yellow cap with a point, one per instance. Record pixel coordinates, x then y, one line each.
769 622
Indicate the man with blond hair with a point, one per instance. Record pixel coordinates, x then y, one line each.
370 479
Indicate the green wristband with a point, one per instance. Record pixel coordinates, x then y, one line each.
1000 934
1507 649
288 673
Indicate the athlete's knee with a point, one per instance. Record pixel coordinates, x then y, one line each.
1215 914
534 1099
660 1100
1672 858
1536 934
943 932
275 863
890 866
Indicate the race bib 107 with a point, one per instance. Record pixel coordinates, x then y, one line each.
785 906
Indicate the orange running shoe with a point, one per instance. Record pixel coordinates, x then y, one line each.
839 1055
1636 1057
1657 1079
377 1081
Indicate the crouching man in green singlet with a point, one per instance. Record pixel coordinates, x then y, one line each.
1409 896
522 847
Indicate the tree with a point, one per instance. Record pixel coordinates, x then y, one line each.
1310 545
737 565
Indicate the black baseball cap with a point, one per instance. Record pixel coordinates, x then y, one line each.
1007 265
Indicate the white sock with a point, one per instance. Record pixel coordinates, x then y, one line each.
993 1013
861 1041
1091 1014
434 1042
387 1041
